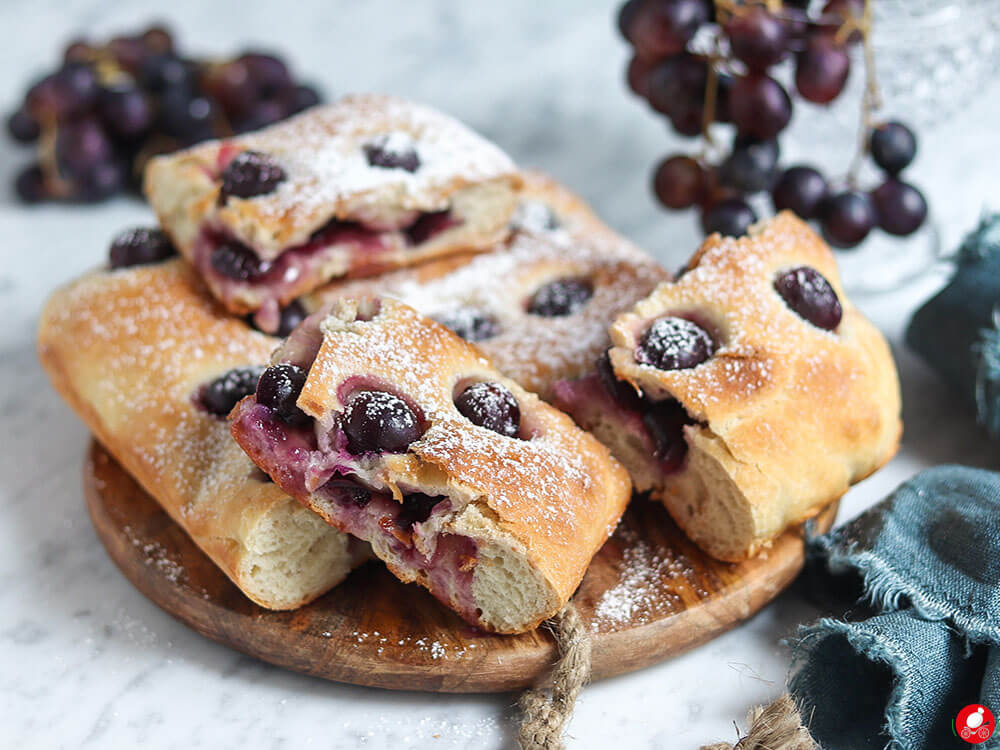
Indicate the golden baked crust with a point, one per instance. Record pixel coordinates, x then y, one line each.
788 415
128 350
533 350
328 178
549 500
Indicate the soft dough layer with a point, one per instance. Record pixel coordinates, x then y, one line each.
433 189
500 528
485 297
129 351
777 422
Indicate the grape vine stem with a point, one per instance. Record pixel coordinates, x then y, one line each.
871 100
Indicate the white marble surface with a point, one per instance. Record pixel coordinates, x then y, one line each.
85 660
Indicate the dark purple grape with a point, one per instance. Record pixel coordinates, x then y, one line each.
79 51
262 113
492 406
810 296
678 84
129 52
303 97
188 118
417 508
81 79
250 174
429 225
222 394
23 127
291 316
62 95
230 84
269 74
561 297
662 27
166 71
801 190
679 182
638 74
847 218
796 22
688 120
235 260
278 389
757 37
158 39
665 422
901 207
80 146
140 246
751 166
673 343
623 393
893 146
730 217
30 185
716 190
379 421
103 180
821 69
470 323
392 152
125 111
760 107
347 491
625 16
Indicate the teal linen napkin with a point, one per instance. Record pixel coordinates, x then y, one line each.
896 672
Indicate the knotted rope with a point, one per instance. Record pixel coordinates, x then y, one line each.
546 710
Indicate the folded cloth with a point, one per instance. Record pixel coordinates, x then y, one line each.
928 561
958 330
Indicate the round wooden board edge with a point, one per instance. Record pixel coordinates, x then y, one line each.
614 653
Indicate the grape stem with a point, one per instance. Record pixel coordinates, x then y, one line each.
871 100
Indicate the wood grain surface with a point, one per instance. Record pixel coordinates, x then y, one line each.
649 594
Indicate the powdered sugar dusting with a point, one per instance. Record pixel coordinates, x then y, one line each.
159 337
643 592
322 153
536 351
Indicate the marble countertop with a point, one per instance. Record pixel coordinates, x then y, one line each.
87 661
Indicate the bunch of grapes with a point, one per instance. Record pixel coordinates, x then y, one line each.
724 75
110 107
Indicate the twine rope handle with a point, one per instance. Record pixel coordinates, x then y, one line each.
775 727
546 710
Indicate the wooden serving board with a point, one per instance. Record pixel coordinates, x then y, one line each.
649 594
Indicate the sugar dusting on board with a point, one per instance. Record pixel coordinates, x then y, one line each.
643 592
431 647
